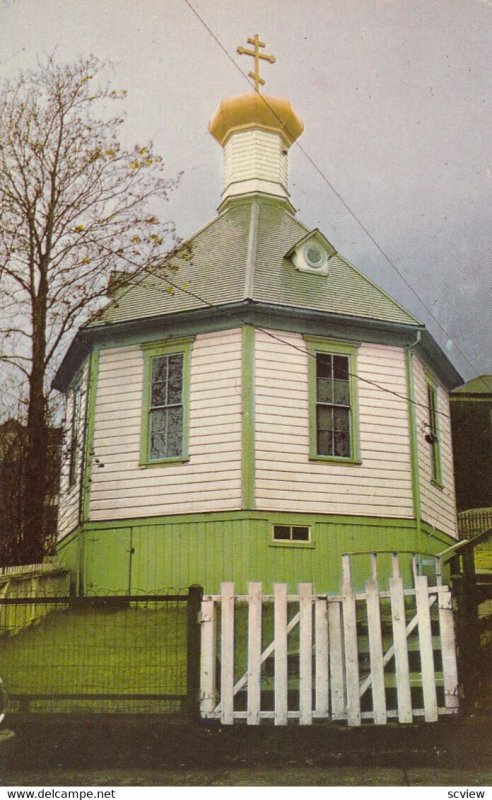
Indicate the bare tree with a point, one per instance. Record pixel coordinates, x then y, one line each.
75 210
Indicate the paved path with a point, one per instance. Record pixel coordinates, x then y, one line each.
294 776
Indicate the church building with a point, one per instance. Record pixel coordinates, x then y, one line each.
257 409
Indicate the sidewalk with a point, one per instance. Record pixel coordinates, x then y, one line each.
139 751
290 776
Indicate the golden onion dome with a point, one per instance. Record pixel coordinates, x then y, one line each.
254 110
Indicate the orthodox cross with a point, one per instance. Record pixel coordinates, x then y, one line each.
255 41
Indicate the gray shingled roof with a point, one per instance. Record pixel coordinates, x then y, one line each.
241 255
479 385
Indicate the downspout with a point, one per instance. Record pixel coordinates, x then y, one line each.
86 460
248 465
414 456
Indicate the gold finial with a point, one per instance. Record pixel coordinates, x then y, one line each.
255 41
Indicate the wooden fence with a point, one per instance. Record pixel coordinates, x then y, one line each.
37 581
374 655
474 521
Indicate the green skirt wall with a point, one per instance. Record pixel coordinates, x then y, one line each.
169 553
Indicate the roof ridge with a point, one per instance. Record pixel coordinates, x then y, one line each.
249 274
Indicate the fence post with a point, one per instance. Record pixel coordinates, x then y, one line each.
464 590
195 595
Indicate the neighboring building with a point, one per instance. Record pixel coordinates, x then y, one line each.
13 440
471 422
276 411
471 425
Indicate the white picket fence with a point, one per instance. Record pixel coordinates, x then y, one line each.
322 657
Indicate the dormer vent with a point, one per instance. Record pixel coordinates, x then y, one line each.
312 253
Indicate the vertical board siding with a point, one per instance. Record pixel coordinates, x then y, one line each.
211 479
180 552
69 502
286 478
438 504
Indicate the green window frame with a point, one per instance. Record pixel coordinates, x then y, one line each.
333 406
75 434
291 533
432 436
165 407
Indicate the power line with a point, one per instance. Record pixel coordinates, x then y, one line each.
334 190
233 315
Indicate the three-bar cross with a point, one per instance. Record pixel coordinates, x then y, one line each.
255 41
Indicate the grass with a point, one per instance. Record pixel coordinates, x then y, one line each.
483 557
124 651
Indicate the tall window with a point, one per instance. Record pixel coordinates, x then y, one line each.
332 405
74 446
433 434
165 406
332 400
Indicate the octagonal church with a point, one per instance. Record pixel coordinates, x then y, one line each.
278 412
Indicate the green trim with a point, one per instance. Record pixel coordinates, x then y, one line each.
316 345
68 538
77 432
175 344
433 396
414 453
90 415
248 416
231 315
464 398
275 517
310 544
237 547
151 350
290 545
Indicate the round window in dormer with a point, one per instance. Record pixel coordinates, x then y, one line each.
315 256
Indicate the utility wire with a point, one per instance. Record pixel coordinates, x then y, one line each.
233 315
334 190
303 350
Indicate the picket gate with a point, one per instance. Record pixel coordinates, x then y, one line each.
377 655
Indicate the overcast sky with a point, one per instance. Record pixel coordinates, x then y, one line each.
395 96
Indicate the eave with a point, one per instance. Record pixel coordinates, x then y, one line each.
260 315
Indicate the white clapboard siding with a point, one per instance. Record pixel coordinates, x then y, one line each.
69 501
329 654
211 478
286 479
438 504
254 154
